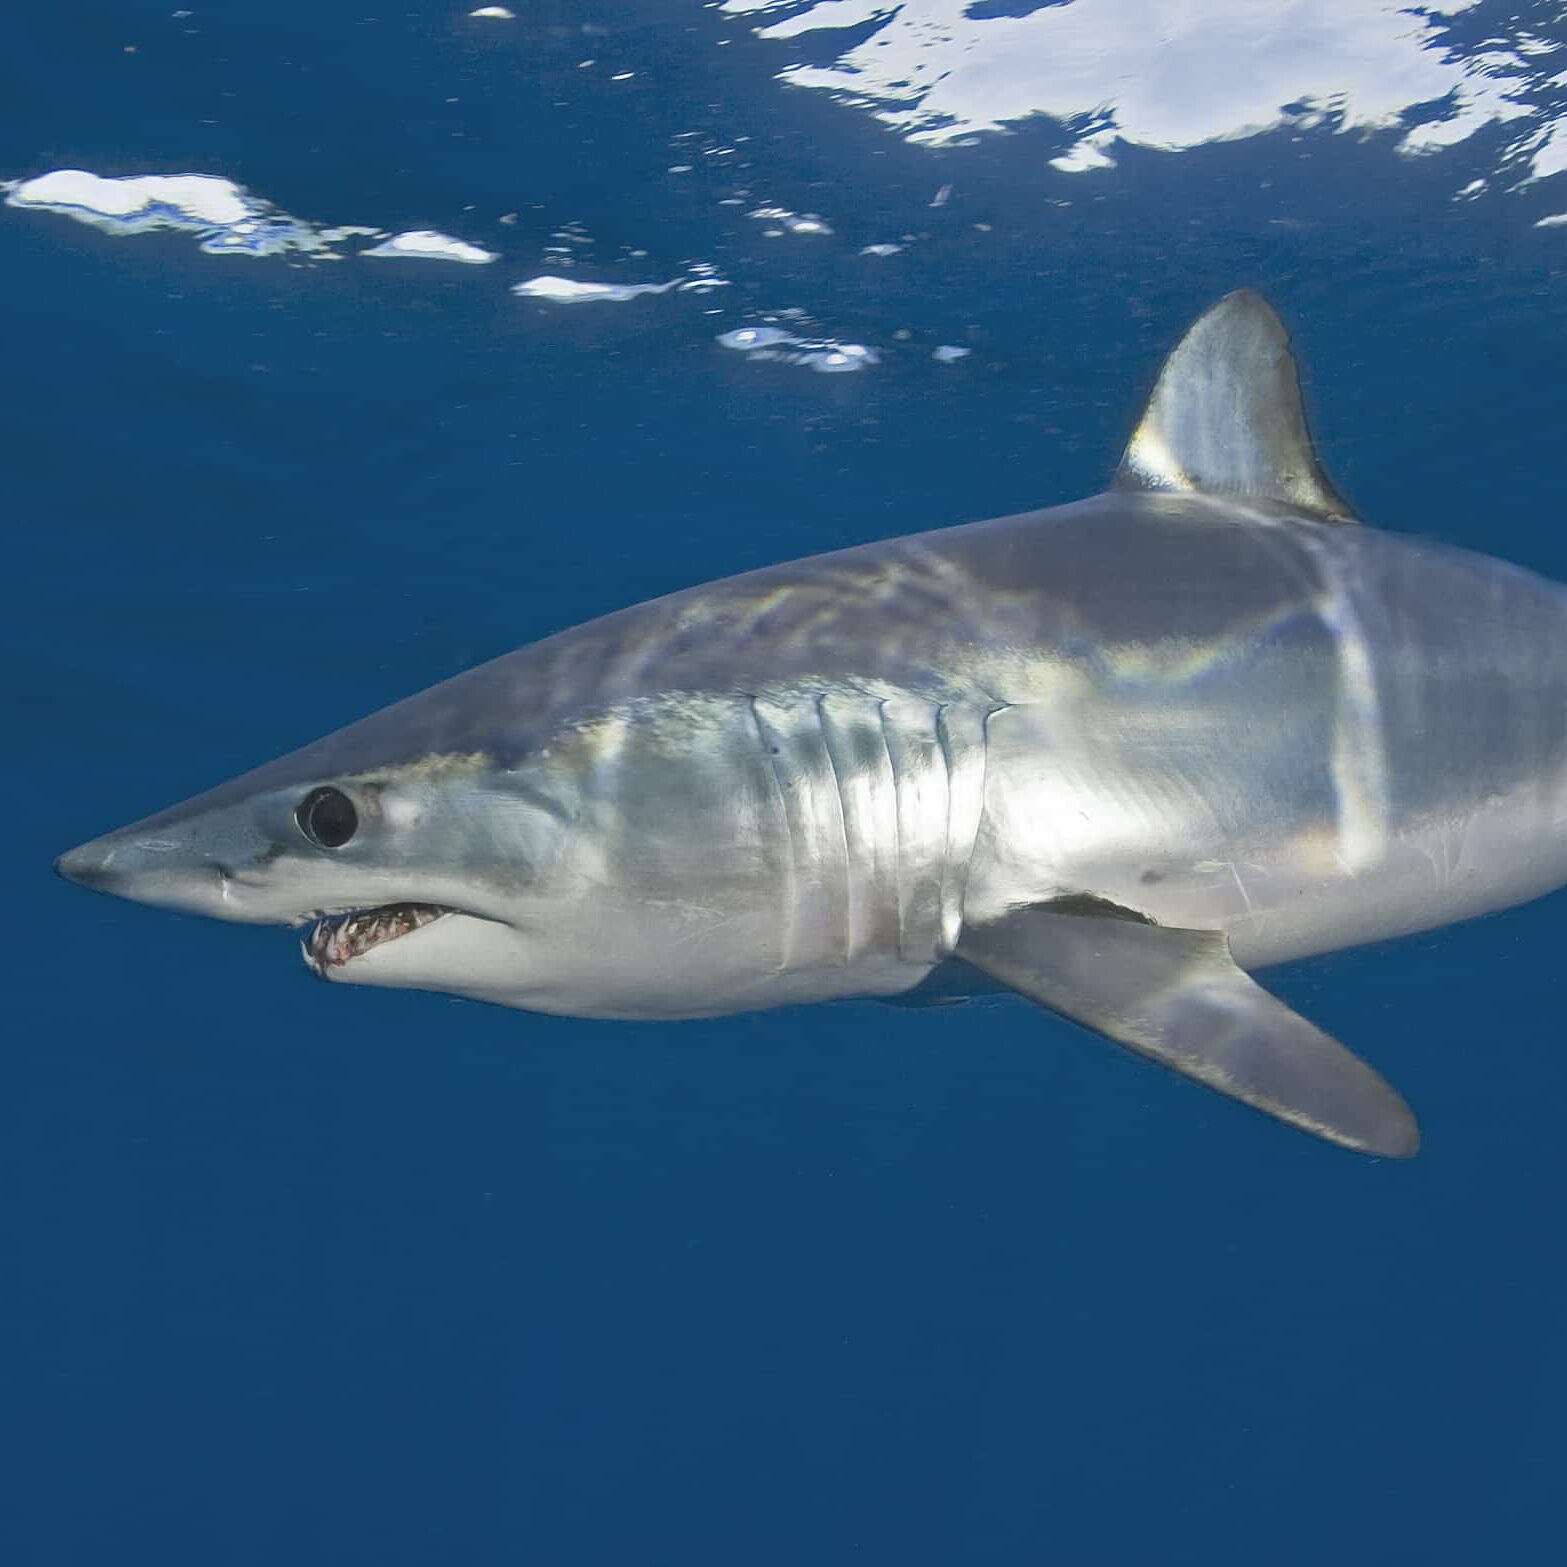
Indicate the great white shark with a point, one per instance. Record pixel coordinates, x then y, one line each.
1111 755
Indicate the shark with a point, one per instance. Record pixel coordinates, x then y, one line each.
1114 755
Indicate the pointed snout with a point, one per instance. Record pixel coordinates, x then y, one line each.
146 867
223 862
130 865
88 865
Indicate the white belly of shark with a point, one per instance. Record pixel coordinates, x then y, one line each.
1109 755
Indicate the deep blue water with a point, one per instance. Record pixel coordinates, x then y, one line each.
312 1274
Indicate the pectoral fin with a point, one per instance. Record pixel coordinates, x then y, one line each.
1178 997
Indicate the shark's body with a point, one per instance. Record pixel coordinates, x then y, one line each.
1110 754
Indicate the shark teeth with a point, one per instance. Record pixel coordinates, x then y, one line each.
335 940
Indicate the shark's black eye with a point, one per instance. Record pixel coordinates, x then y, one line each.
327 817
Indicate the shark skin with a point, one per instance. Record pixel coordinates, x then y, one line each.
1112 755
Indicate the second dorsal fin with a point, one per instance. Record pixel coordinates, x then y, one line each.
1226 419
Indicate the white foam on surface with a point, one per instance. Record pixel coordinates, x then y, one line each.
574 291
427 245
1170 75
700 277
1086 155
228 218
823 354
786 222
196 198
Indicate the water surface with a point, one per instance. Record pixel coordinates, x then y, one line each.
327 1275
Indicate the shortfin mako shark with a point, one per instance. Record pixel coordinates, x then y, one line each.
1111 755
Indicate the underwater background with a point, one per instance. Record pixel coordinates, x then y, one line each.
308 1274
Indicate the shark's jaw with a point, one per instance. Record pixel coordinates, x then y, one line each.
340 939
416 945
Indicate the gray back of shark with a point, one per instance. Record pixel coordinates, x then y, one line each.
1110 755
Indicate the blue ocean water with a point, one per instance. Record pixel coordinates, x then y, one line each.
318 1274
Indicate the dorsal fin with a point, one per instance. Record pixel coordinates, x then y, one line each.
1226 419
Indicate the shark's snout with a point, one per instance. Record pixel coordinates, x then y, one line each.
93 865
146 868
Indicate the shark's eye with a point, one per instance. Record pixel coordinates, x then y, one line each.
327 818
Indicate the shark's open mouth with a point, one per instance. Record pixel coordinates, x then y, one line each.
334 941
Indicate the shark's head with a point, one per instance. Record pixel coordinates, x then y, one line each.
416 873
508 835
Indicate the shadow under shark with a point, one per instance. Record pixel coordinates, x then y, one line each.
1111 755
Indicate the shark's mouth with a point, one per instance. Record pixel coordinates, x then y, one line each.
342 937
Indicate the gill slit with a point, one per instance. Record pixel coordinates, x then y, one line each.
897 838
949 871
769 752
850 946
